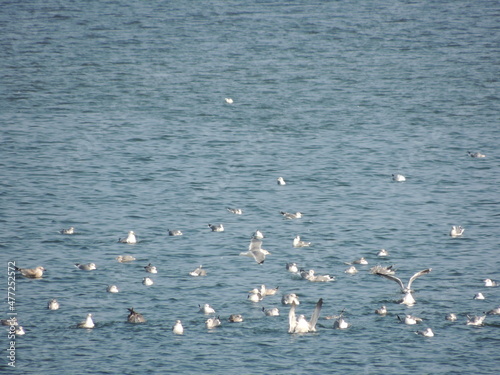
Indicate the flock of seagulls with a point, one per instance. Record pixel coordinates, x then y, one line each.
297 323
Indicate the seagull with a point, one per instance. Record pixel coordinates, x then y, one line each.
131 239
86 267
229 100
258 235
31 273
341 323
407 288
288 215
456 231
20 331
280 181
135 317
124 258
300 324
351 270
495 311
479 296
489 282
174 232
150 268
409 319
235 318
298 243
255 295
212 322
289 299
381 311
268 292
451 317
216 228
112 289
9 322
475 320
292 267
147 281
383 253
271 312
70 230
53 305
256 251
378 269
476 154
236 211
87 323
398 177
178 329
361 260
426 333
206 309
198 272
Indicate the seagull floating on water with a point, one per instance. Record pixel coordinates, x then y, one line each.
235 318
216 228
495 311
451 317
198 272
112 289
255 296
131 239
475 320
229 100
341 323
351 270
53 304
479 296
150 268
292 267
86 267
20 331
298 243
289 299
310 276
135 317
268 291
256 251
398 177
300 324
236 211
426 333
476 154
280 181
31 273
125 258
147 281
9 322
206 309
291 216
178 329
383 253
381 311
274 311
489 282
409 319
87 323
70 230
174 232
456 231
212 322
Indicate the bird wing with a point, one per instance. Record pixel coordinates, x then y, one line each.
418 274
292 320
315 315
393 278
259 256
255 244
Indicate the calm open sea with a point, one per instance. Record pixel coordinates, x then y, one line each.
113 118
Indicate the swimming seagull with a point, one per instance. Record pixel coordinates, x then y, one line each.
310 275
280 181
456 231
271 312
216 228
135 317
451 317
289 299
9 322
53 304
150 268
398 177
256 251
235 318
409 319
351 270
31 273
131 239
86 267
198 272
479 296
178 329
341 323
383 253
112 289
300 324
147 281
20 331
489 282
426 333
361 260
408 298
254 295
229 100
236 211
476 154
70 230
298 243
124 258
292 267
475 320
212 322
381 311
87 323
268 291
174 232
495 311
206 309
291 216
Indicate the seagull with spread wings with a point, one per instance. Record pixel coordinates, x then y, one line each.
300 324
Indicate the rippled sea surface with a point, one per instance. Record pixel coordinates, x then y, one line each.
113 119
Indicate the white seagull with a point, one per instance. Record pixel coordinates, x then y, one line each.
174 232
398 177
408 298
87 323
341 323
475 320
456 231
451 317
479 296
351 270
274 311
236 211
426 333
268 291
256 251
124 258
212 322
150 268
489 282
383 253
178 329
258 235
292 267
298 243
86 267
280 181
147 281
216 228
229 100
291 216
289 299
198 272
206 309
112 289
409 319
53 304
131 239
31 273
495 311
254 295
235 318
476 154
381 311
70 230
300 324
